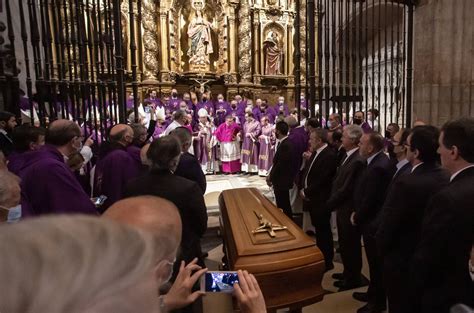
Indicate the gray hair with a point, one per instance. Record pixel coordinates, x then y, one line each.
354 132
70 262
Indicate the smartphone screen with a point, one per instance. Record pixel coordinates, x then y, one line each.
219 282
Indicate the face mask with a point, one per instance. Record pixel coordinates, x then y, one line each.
233 106
328 124
387 134
204 99
14 214
302 97
357 121
78 149
174 94
220 100
280 101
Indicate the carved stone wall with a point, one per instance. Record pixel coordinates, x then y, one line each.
150 40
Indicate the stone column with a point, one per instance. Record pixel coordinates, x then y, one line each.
245 55
150 40
232 39
443 82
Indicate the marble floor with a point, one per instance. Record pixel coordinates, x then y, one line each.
333 302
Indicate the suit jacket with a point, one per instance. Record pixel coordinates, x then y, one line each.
318 176
190 168
343 186
188 198
281 173
403 211
440 263
6 144
371 190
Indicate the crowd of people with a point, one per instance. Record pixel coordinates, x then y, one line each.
407 196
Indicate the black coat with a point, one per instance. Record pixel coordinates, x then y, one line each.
440 263
371 190
345 182
318 177
281 173
190 168
188 198
6 144
403 210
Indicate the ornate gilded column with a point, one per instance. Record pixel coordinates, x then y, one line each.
150 40
164 45
233 56
256 48
302 30
245 69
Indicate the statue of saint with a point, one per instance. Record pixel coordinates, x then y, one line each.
199 32
273 54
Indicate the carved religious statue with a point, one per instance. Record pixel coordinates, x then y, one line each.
273 54
200 41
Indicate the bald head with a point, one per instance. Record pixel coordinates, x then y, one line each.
291 121
61 132
149 213
122 134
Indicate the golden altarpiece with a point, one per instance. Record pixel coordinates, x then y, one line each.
229 46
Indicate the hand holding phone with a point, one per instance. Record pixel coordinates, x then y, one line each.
215 281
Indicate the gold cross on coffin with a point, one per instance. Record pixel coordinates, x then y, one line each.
266 226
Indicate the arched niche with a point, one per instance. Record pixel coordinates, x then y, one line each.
279 30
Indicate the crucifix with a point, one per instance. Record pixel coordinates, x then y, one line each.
202 82
266 226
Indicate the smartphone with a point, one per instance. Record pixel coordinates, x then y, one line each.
219 281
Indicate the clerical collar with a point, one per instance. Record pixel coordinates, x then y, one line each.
370 159
414 167
458 172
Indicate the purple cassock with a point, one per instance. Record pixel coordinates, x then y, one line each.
173 105
221 110
249 158
207 105
203 150
48 186
267 149
281 108
242 105
156 102
18 161
229 147
238 114
366 127
299 138
159 130
259 113
112 173
134 152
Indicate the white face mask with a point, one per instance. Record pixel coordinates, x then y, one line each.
14 214
329 125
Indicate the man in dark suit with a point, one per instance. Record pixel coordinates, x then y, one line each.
281 174
334 139
342 200
403 210
164 154
7 123
316 188
188 166
369 198
440 262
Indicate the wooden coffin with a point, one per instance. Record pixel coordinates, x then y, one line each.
289 267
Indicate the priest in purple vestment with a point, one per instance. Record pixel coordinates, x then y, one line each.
115 167
221 110
204 151
228 136
236 112
267 147
152 98
48 185
299 138
26 139
251 131
173 104
359 120
281 108
207 104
